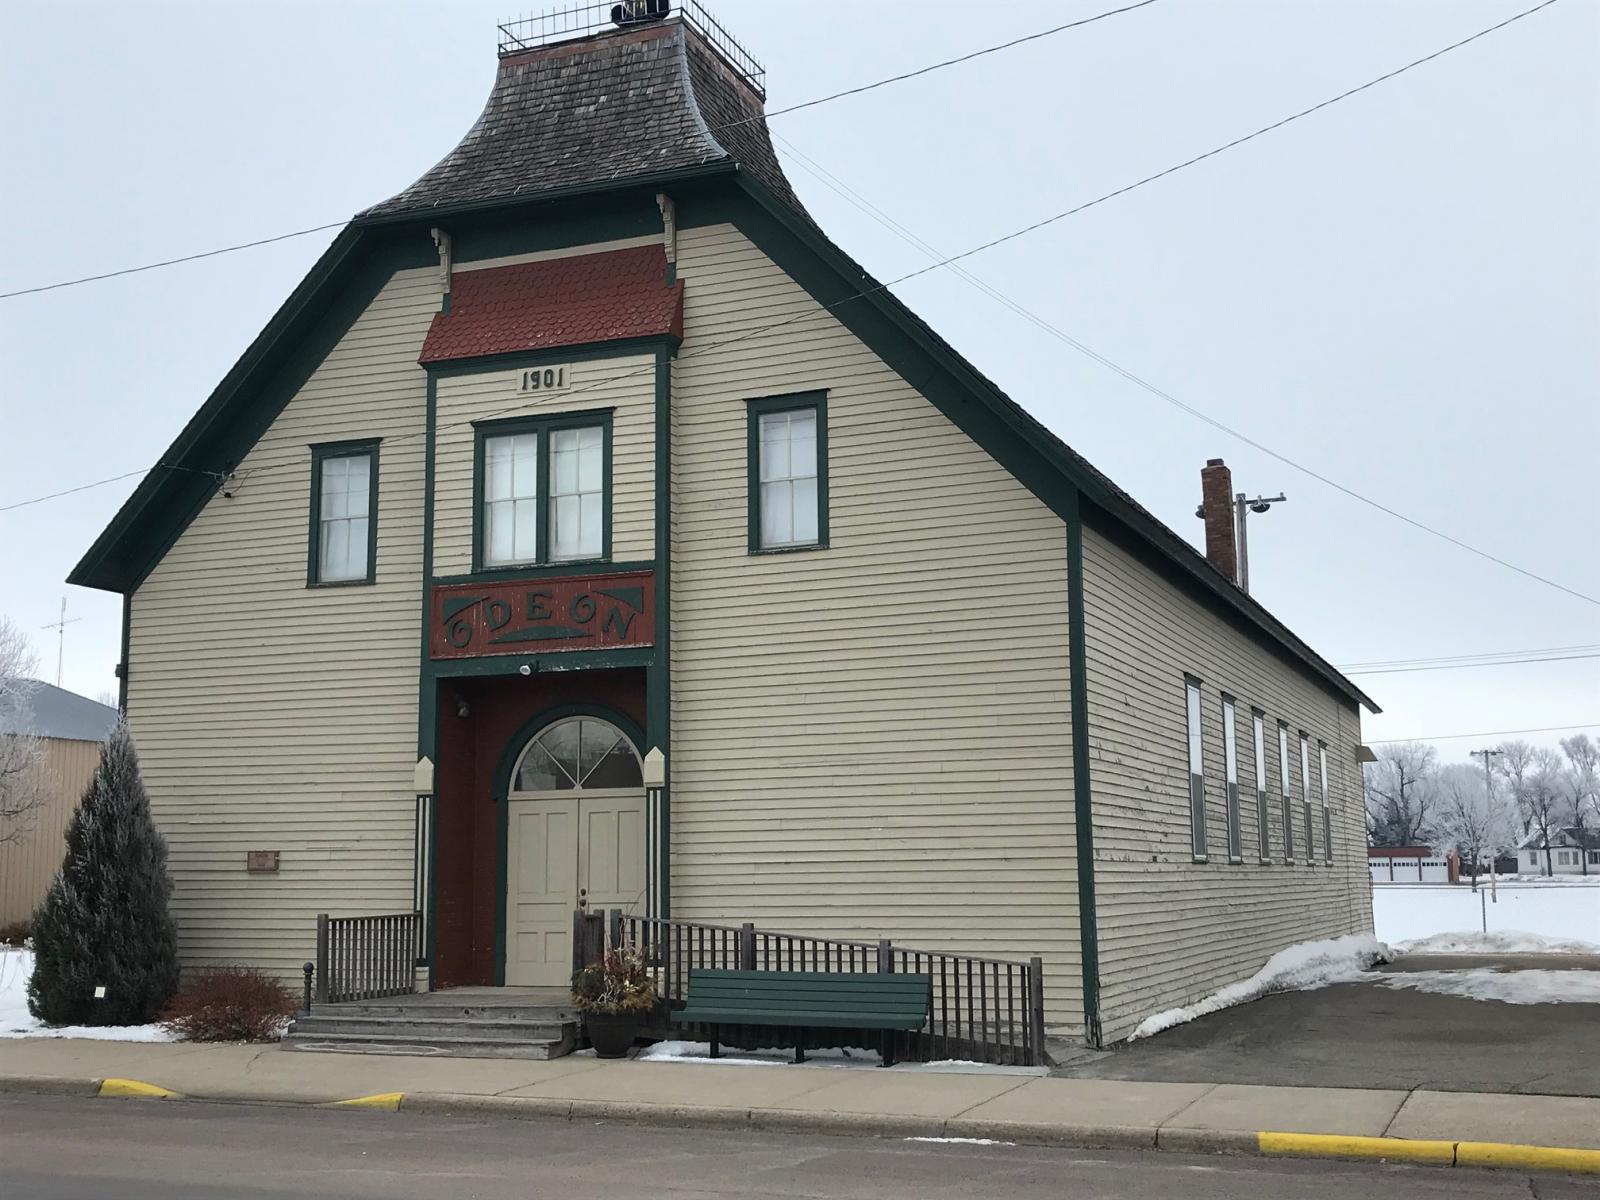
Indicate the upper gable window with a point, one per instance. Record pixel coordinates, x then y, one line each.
788 472
344 513
544 490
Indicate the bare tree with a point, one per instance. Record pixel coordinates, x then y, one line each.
1515 763
1470 819
1401 793
22 781
1546 799
1583 789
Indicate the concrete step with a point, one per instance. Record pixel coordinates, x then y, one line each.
436 1047
539 1014
416 1027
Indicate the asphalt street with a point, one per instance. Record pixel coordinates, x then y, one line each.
57 1148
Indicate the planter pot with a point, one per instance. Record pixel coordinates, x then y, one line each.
611 1034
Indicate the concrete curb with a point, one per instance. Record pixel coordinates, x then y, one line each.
1265 1143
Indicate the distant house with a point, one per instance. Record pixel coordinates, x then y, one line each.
72 728
1568 847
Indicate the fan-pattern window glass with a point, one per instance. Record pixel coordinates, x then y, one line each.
1263 829
579 753
511 499
788 478
342 522
1197 776
577 492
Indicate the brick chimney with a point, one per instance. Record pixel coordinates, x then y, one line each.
1216 506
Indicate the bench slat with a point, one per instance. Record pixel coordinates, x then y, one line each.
832 999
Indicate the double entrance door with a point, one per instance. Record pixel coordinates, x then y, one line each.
567 850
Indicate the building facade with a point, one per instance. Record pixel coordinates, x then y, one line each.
588 530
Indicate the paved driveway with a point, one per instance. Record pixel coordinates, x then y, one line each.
1370 1035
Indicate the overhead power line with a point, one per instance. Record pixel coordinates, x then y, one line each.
1508 655
855 91
949 261
1450 737
1505 662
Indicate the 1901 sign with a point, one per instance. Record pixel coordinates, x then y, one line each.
583 612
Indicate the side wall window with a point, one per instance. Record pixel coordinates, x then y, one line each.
1327 813
1258 721
788 472
542 490
1230 763
1283 785
344 514
1197 774
1305 796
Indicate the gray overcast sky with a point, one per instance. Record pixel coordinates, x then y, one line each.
1402 291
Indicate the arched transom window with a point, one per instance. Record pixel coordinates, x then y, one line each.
581 753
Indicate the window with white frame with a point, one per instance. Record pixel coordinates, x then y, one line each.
1258 722
1197 774
1327 812
1230 766
577 492
1283 787
344 502
510 499
788 467
1305 796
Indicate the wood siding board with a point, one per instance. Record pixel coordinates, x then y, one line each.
873 740
1173 930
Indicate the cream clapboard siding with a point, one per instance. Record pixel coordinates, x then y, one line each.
1171 930
873 739
626 384
272 716
30 859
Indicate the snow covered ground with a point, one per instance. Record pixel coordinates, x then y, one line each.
16 967
700 1052
1510 987
1403 912
1301 967
1510 941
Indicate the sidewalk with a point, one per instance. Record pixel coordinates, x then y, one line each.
1444 1128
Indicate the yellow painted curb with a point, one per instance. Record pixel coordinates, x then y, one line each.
1323 1145
1507 1154
383 1101
136 1089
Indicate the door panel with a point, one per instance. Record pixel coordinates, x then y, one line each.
611 850
541 890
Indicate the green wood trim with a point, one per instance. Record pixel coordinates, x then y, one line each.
1083 795
765 406
577 352
321 452
123 667
543 425
427 681
500 788
549 571
658 676
541 664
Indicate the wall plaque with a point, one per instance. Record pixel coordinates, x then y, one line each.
261 862
523 616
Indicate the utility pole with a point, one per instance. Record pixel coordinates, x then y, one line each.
1488 785
1242 508
60 627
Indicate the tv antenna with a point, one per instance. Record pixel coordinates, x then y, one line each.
60 626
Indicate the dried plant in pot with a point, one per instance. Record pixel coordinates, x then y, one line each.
614 995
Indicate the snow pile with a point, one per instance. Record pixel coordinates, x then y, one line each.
1505 941
960 1141
1592 879
16 968
768 1056
1509 987
1299 968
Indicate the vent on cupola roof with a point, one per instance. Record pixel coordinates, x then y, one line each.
596 95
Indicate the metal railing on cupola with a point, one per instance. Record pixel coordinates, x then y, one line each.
583 20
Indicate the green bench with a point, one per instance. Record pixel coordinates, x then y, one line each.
808 1000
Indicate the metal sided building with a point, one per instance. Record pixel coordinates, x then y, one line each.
587 529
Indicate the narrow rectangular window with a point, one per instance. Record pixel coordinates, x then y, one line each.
577 492
511 499
1263 827
1305 796
543 489
1197 775
788 472
1283 785
1327 812
1230 763
344 513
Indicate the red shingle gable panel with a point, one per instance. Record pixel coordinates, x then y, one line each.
571 301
